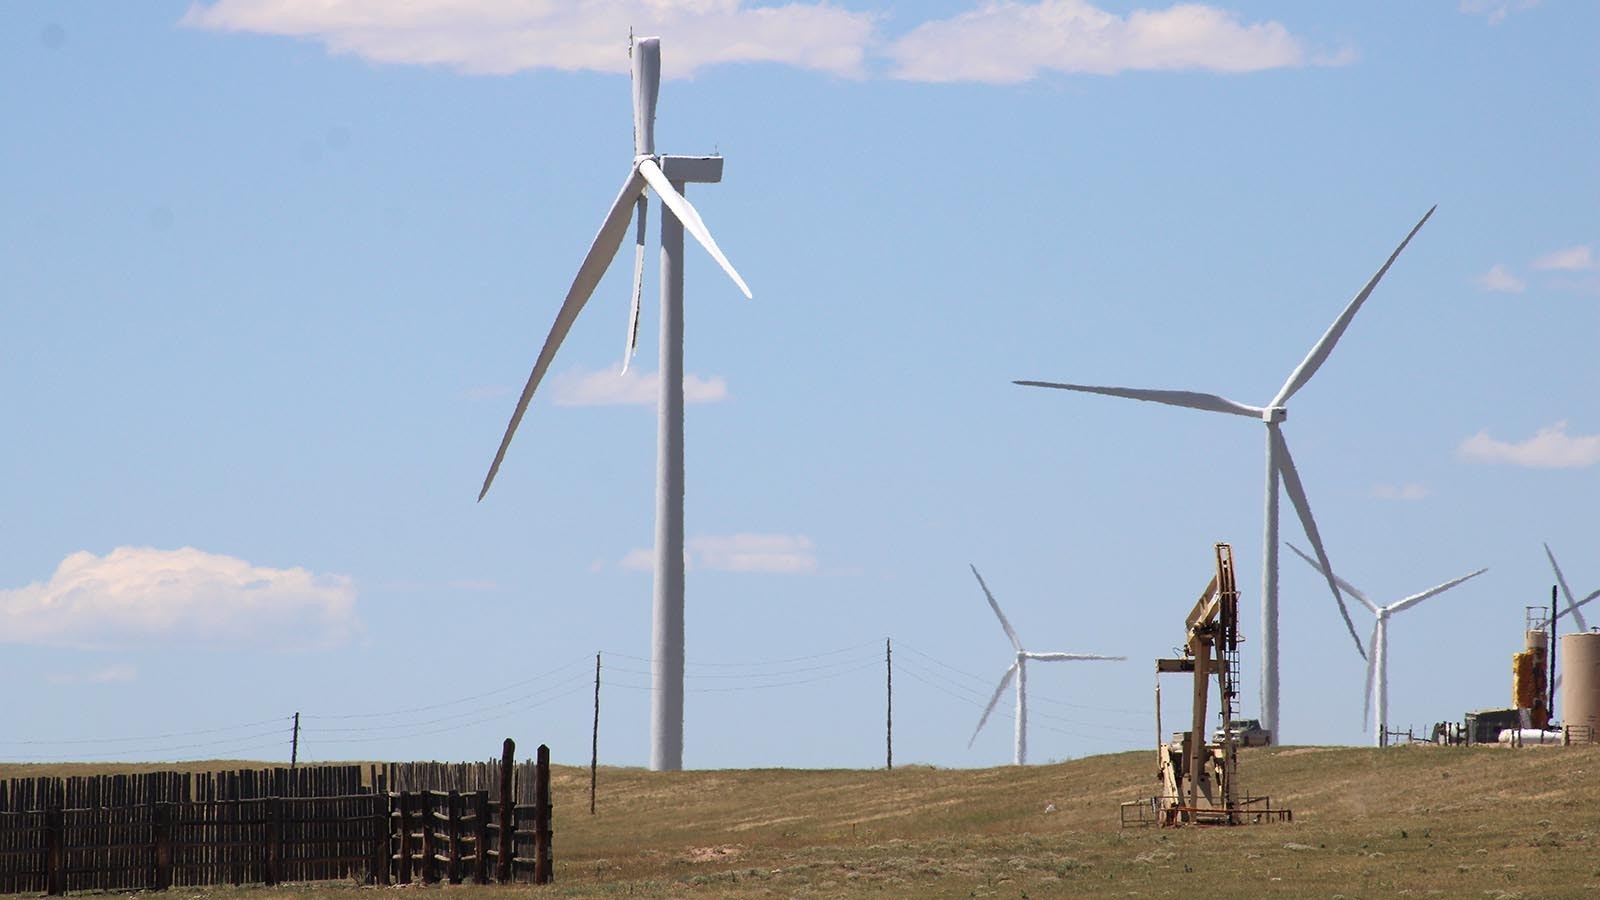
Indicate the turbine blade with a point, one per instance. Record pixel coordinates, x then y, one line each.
686 214
641 209
993 701
1319 353
1059 657
1347 586
594 266
646 53
1567 591
1186 399
1016 644
1414 599
1297 496
1372 670
1574 609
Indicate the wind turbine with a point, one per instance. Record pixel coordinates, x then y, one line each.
1572 605
1279 465
667 176
1378 658
1019 670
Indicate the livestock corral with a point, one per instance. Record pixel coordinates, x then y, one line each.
373 824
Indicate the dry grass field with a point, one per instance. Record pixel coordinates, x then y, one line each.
1408 821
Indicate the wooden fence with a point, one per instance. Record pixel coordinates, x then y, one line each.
152 832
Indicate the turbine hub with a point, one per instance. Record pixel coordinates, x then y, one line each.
1274 414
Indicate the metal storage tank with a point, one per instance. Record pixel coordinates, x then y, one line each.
1580 685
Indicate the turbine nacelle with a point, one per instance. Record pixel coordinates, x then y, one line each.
1273 415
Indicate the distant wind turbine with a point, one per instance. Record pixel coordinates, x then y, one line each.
1019 671
667 176
1378 654
1572 605
1279 464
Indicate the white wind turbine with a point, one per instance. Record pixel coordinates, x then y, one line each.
1572 605
1279 465
667 177
1378 655
1019 670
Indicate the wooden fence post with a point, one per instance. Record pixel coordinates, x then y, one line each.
405 803
480 837
453 829
55 852
508 812
161 831
544 859
380 838
273 870
430 860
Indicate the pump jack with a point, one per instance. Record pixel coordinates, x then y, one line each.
1199 779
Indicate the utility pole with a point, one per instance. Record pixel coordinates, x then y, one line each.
1550 683
294 744
594 741
888 677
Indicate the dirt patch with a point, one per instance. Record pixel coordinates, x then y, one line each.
713 854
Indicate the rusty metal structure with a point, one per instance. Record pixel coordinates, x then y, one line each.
1200 779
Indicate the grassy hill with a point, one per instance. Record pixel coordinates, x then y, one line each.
1413 821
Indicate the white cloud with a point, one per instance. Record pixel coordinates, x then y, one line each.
779 554
1495 10
107 675
1500 279
1399 491
499 37
1550 448
135 596
635 388
1003 41
1567 259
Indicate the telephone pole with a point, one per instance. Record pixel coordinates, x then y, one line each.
888 677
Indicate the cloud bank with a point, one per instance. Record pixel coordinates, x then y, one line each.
773 554
999 41
1567 259
137 596
635 388
1004 42
499 37
1550 448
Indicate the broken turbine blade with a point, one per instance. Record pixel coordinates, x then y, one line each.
641 209
594 265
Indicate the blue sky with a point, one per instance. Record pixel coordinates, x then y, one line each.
272 272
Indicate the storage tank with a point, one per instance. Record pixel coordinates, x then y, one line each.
1580 685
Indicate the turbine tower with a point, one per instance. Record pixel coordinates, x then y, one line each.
1019 670
1572 605
1378 654
667 176
1279 465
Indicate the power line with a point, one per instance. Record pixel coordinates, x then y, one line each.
441 705
779 673
460 715
769 662
151 737
496 717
